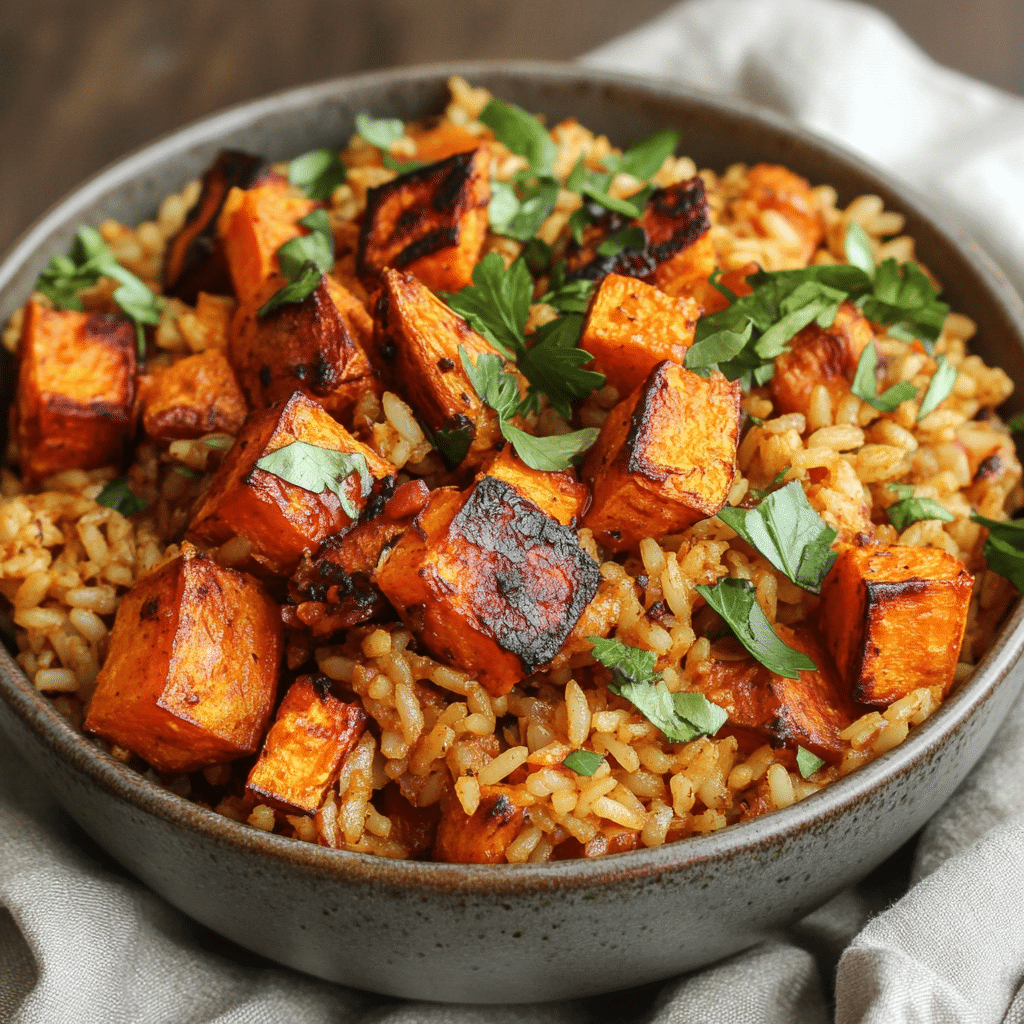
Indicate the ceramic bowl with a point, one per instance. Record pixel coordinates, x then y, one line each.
516 932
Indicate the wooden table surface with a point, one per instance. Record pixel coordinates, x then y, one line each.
83 83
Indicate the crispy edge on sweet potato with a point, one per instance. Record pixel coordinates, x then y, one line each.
194 260
430 222
195 396
807 712
560 494
416 353
483 836
254 224
632 326
280 520
319 345
76 390
665 457
489 582
311 735
825 356
192 670
894 620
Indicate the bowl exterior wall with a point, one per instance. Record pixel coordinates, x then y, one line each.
451 933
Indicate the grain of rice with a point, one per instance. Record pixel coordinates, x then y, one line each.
502 765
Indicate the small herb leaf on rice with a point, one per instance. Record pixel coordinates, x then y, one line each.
624 239
320 469
857 247
121 498
383 132
568 296
1004 548
865 384
304 261
736 602
789 533
682 717
1015 423
453 444
318 173
645 158
907 511
584 762
807 763
522 133
517 217
939 387
762 492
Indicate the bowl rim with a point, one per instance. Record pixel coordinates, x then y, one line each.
40 715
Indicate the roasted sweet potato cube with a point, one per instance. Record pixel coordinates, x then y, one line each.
674 219
483 836
416 353
282 520
318 345
312 734
820 355
776 188
687 273
489 582
437 138
192 671
808 712
195 261
894 620
209 323
633 326
76 390
665 457
195 396
561 495
254 224
430 222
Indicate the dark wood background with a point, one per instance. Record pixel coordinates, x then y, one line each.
84 81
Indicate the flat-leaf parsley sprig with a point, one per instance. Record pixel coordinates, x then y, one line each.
304 261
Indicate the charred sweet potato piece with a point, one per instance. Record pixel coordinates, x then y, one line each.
773 187
489 582
192 670
76 390
665 457
710 298
820 355
633 326
561 495
437 138
430 222
808 712
312 734
281 520
318 345
254 224
195 396
674 219
195 255
416 353
482 837
894 620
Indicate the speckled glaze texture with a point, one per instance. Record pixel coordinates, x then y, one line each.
452 932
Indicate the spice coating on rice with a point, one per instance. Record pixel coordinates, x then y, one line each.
508 605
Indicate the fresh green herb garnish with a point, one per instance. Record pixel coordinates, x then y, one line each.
453 445
584 762
383 132
121 498
497 305
522 133
499 389
568 296
625 238
807 763
517 217
762 492
912 510
646 157
64 280
789 533
320 469
902 490
865 384
304 261
537 255
1015 423
736 602
1004 548
939 387
187 471
318 173
682 717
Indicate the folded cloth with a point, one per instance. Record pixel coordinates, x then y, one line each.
81 941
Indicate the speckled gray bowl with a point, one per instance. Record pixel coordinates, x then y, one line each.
532 932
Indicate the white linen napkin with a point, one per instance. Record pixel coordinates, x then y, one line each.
81 941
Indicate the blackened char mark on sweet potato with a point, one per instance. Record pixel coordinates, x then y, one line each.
195 259
532 578
674 218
